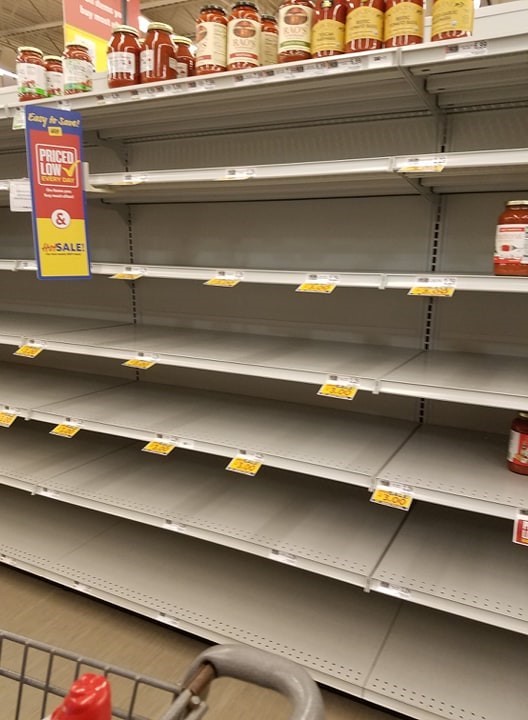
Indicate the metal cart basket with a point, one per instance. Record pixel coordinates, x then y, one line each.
34 677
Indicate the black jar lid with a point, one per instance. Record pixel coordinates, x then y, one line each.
218 8
242 3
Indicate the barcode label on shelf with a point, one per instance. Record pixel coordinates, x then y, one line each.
20 196
29 350
129 273
19 119
140 363
430 164
464 50
325 67
226 278
433 287
283 557
324 284
381 61
159 447
290 73
7 419
520 528
245 463
167 620
66 430
394 590
239 173
393 495
342 388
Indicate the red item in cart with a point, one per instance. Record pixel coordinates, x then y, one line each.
123 57
269 40
328 32
518 448
511 240
184 56
452 19
211 40
295 30
243 36
404 22
364 25
31 74
89 699
158 55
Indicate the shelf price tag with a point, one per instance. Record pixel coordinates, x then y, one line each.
283 557
429 164
29 350
324 284
7 419
342 388
392 495
394 590
19 119
520 528
129 273
20 196
224 278
465 50
381 61
433 287
141 362
239 173
66 430
159 447
245 463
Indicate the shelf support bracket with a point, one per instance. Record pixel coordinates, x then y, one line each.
118 148
419 88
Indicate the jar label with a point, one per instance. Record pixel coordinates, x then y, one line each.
211 40
405 18
55 83
295 28
243 41
511 244
449 15
146 61
31 79
364 23
518 448
78 75
328 35
182 70
121 63
269 48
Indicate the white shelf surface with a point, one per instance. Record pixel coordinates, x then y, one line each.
320 526
341 446
460 469
460 563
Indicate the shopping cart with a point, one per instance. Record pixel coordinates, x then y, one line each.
34 677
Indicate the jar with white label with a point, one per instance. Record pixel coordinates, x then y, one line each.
295 30
511 240
54 75
78 69
211 40
31 74
518 446
122 57
184 56
158 54
243 36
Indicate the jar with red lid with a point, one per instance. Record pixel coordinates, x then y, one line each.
328 32
211 40
511 240
31 74
78 69
269 40
158 54
452 19
184 56
404 22
243 36
295 30
518 447
364 25
54 75
122 56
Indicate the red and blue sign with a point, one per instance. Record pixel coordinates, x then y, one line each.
55 156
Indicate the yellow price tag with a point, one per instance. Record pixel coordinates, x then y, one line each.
245 465
432 291
339 391
65 430
392 498
222 282
423 165
139 364
308 287
158 447
126 276
28 351
7 419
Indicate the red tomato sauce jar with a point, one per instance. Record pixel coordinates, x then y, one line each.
184 56
243 36
211 40
518 447
364 25
295 30
54 75
158 55
511 240
31 74
123 57
78 69
404 23
328 32
269 40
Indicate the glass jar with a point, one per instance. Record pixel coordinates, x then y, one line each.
404 23
243 36
518 446
78 69
328 32
511 240
295 30
54 75
269 40
211 40
452 19
122 57
158 55
364 25
31 74
184 56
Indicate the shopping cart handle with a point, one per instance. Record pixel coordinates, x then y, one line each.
267 670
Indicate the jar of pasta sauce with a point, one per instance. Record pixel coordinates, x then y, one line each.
328 32
518 447
295 30
404 22
54 75
158 54
211 40
78 69
122 57
243 36
364 25
31 74
452 19
184 56
269 40
511 240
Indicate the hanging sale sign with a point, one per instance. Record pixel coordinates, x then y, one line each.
54 149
